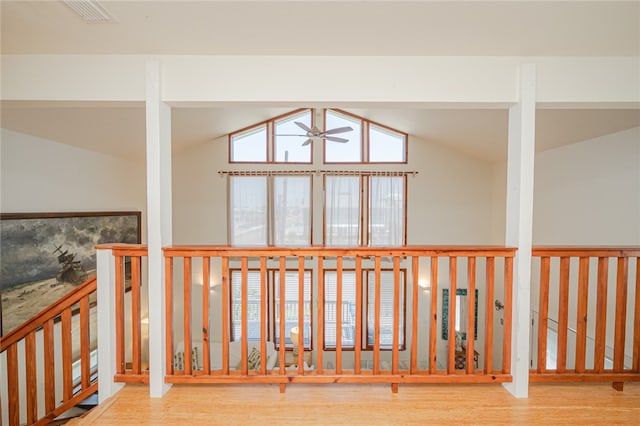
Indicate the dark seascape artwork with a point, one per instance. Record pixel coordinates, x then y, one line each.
44 256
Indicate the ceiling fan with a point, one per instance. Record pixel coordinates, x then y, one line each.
313 133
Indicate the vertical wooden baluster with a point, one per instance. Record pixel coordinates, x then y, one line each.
359 300
225 315
621 314
508 315
413 367
488 327
301 306
135 314
471 309
85 343
13 384
320 313
601 314
453 291
339 316
543 313
206 278
396 314
30 370
168 311
119 302
49 368
636 322
67 359
243 316
376 332
433 329
581 317
187 316
283 291
263 314
563 315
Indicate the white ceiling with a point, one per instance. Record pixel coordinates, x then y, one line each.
300 27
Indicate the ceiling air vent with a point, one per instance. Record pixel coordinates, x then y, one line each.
90 11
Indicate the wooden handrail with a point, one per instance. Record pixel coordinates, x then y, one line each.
609 269
48 313
581 251
44 322
470 267
403 251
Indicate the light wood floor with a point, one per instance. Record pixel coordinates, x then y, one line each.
340 404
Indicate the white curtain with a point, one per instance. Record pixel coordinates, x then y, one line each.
248 210
386 211
292 210
342 211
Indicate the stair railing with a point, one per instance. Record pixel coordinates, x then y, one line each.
48 339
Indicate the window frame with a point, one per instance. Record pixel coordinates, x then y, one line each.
348 116
246 130
270 141
272 272
403 282
364 223
405 153
272 305
368 211
364 336
365 141
270 207
324 328
290 116
268 314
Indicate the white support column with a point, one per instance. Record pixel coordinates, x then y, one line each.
159 221
106 267
522 120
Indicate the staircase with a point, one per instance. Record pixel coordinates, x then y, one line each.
60 380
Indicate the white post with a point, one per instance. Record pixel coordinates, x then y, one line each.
106 267
522 119
158 221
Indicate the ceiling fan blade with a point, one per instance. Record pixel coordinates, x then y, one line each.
303 126
292 135
307 142
337 130
336 139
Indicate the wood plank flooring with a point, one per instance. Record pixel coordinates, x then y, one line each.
340 404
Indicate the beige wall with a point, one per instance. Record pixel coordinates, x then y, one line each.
40 175
589 192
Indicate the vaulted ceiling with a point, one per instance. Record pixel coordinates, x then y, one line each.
300 27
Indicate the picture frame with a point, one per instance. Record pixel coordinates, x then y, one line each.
44 256
445 313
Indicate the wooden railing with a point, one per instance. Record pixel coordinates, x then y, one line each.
49 333
201 319
597 317
131 367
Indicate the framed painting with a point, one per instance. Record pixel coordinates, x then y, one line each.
43 256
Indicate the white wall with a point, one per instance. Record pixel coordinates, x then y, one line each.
40 175
589 193
450 200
